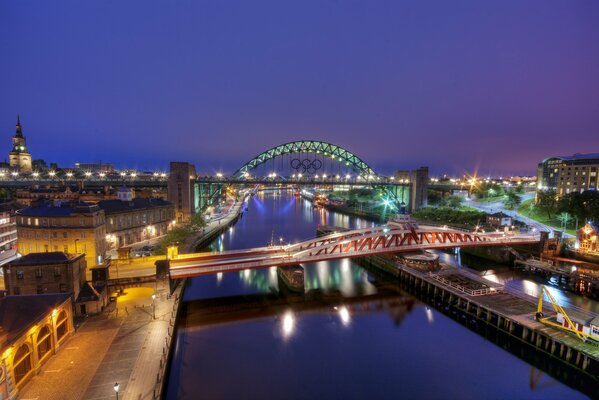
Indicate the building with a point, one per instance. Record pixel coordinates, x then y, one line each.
32 329
72 228
586 238
8 227
130 219
418 180
20 158
568 174
44 273
95 167
27 196
181 189
499 219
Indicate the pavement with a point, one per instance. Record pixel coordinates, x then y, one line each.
125 345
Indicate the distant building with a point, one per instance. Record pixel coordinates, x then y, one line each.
32 329
418 180
72 228
130 219
26 196
568 174
44 273
586 238
499 219
95 167
181 189
8 226
19 157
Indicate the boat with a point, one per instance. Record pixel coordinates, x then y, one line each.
292 277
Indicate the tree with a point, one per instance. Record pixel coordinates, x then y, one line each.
547 202
512 200
454 201
564 218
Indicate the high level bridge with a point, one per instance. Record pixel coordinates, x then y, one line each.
391 238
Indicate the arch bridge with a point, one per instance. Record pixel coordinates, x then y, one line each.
391 238
306 173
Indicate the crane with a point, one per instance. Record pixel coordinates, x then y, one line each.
558 309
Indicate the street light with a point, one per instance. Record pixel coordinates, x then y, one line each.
116 389
153 306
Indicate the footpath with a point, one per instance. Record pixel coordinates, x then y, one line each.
127 344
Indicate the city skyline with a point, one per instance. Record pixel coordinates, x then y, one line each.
488 87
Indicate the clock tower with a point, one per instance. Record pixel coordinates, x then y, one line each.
19 157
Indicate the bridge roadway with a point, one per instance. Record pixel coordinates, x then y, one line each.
391 238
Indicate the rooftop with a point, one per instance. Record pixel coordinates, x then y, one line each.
60 209
18 313
140 203
54 257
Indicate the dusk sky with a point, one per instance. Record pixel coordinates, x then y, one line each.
450 84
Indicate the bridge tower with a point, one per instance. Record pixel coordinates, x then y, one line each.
181 190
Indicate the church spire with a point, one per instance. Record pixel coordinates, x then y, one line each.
19 132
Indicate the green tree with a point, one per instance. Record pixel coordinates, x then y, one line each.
512 200
547 202
564 218
454 201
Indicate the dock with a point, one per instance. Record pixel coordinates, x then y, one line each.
479 303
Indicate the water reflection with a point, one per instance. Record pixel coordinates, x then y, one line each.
348 335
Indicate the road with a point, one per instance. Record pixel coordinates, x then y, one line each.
498 206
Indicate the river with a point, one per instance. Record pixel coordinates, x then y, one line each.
353 336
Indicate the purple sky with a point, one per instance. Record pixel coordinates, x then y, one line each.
450 84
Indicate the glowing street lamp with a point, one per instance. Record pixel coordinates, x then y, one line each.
219 175
52 173
154 306
116 390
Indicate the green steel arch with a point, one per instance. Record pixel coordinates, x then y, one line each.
308 146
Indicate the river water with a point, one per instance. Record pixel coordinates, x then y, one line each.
354 335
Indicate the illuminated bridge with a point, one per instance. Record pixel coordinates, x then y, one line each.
392 238
306 163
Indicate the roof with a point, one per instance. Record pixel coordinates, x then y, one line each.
19 313
118 206
54 257
579 156
8 207
500 215
48 209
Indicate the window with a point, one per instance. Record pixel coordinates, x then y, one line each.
39 272
44 342
57 271
65 235
40 289
20 274
65 248
62 288
22 363
17 291
61 325
82 235
81 221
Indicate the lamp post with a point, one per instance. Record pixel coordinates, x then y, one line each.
116 390
153 306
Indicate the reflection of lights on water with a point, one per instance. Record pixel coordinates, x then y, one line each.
288 324
344 315
219 277
272 277
429 315
492 278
